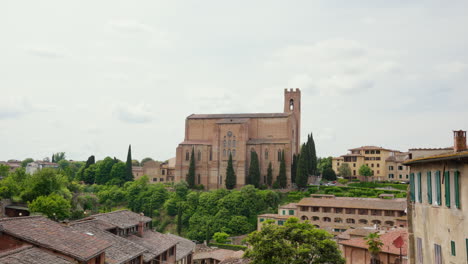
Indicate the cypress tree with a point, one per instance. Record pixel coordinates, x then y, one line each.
128 165
53 157
254 170
282 181
294 168
89 162
230 174
312 155
191 172
270 175
302 170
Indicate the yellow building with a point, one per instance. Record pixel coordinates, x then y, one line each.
438 212
386 164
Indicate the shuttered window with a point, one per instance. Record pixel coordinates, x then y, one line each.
456 183
452 248
438 188
412 187
429 187
447 188
437 253
419 188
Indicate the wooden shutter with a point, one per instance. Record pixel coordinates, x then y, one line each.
452 247
456 182
438 188
447 188
429 187
419 188
412 187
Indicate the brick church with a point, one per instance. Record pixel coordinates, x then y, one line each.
214 136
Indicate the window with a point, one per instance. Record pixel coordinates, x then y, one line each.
284 212
376 222
199 155
291 104
338 210
279 155
419 253
389 223
199 180
419 188
438 188
437 254
304 218
429 187
354 172
378 171
280 222
447 188
372 152
390 176
171 251
326 210
377 152
367 152
400 167
224 152
224 143
372 165
291 212
233 152
350 210
378 158
229 152
350 221
412 187
163 172
211 154
452 248
327 219
266 154
315 218
363 221
378 165
164 256
338 220
187 155
261 220
402 176
315 209
161 179
354 165
456 183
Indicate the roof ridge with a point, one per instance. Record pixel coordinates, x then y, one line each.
14 251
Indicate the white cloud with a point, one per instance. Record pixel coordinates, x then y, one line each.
136 113
46 52
17 107
129 26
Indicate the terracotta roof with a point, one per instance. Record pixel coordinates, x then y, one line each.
103 225
246 115
387 240
155 243
268 141
235 261
276 216
184 246
440 157
31 255
289 205
362 232
353 202
122 218
371 148
219 254
121 251
46 233
447 148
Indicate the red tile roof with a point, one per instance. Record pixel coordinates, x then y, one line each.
387 240
31 255
122 218
155 243
247 115
48 234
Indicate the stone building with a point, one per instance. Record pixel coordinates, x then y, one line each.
338 214
156 171
386 164
438 214
214 136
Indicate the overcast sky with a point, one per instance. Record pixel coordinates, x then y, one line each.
91 77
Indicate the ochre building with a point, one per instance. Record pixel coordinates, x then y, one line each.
214 136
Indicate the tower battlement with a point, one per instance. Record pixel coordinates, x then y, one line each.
291 90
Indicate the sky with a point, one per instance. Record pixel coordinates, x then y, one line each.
91 77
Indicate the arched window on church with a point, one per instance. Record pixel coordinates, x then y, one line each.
199 155
291 104
187 155
266 154
211 154
224 143
279 154
229 152
234 142
224 152
233 152
229 143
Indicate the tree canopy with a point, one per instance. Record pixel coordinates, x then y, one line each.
329 174
295 243
344 170
254 170
230 175
302 173
282 180
191 172
53 206
128 165
364 170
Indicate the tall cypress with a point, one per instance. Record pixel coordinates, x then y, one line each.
294 168
254 170
128 165
89 162
191 172
282 181
302 170
53 158
312 155
270 175
230 174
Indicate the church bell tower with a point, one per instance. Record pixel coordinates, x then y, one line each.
292 104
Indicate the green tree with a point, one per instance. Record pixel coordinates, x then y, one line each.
118 173
254 170
365 171
25 162
312 155
295 243
135 162
329 174
58 157
269 175
43 183
239 225
53 206
344 170
89 174
220 237
374 246
324 163
103 170
4 170
191 172
294 168
128 171
143 161
282 180
80 173
302 174
230 175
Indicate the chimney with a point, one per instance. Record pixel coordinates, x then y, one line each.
141 226
459 138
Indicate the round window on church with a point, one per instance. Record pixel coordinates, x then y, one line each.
229 134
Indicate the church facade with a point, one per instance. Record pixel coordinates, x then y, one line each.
214 136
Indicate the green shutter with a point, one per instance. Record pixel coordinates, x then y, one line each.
291 212
284 212
419 188
447 188
438 190
429 187
456 179
261 219
466 242
412 186
452 247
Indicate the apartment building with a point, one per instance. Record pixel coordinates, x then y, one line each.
338 214
385 164
438 213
